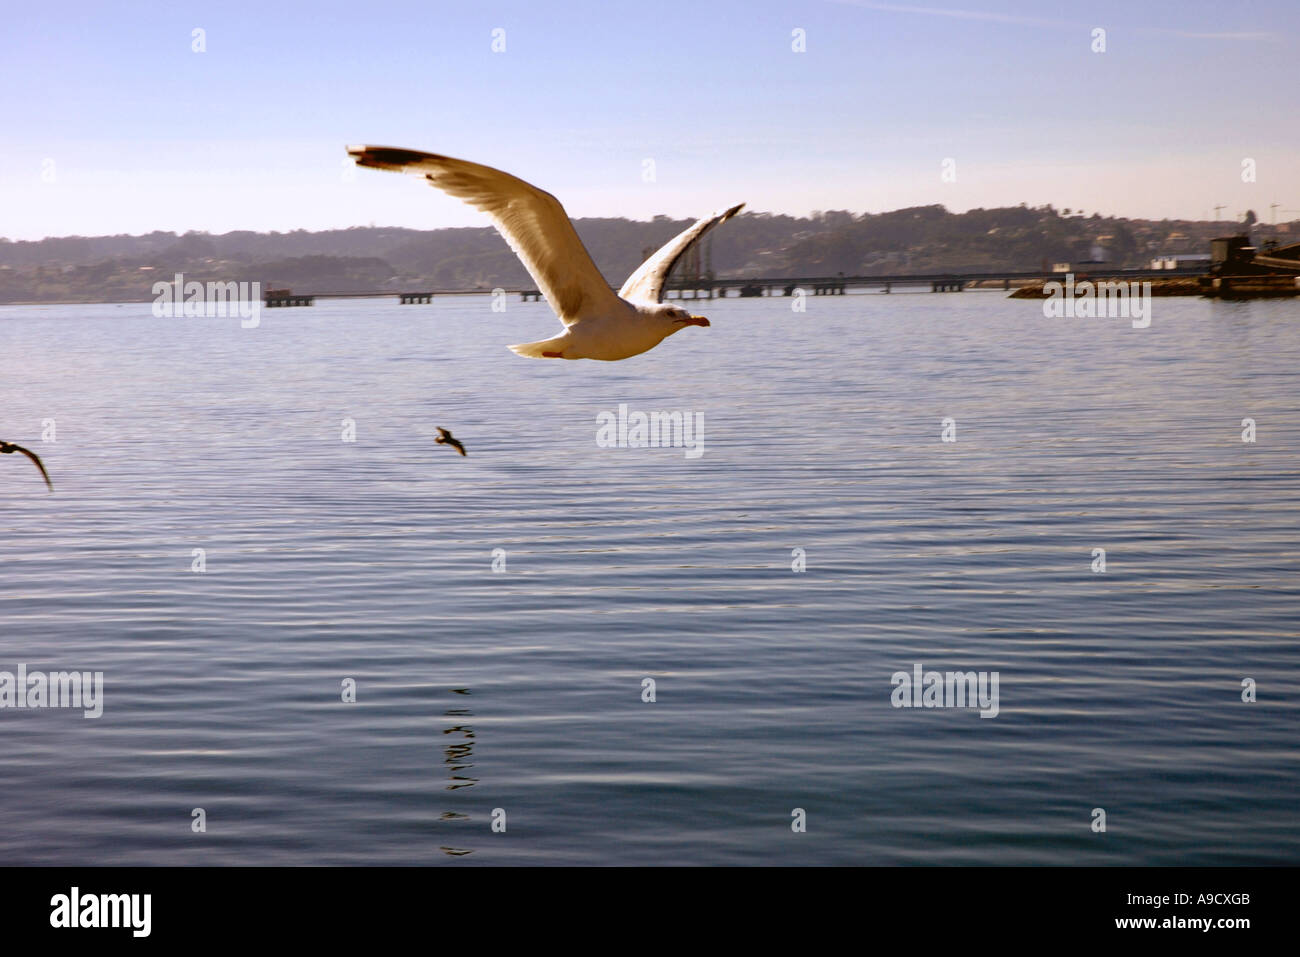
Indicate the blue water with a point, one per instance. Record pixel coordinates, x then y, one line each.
522 689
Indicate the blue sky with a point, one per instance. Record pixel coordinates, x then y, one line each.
115 125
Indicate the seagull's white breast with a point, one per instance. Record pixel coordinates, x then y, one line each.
613 337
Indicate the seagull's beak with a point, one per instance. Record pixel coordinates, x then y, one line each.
694 321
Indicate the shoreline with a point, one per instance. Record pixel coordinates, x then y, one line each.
1182 286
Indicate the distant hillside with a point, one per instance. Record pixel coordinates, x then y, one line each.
919 239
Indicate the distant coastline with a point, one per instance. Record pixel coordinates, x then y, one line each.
918 240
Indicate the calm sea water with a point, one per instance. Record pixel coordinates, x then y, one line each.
522 690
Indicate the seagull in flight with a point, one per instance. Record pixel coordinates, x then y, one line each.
599 324
446 438
7 448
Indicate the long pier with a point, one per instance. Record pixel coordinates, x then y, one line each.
938 282
763 286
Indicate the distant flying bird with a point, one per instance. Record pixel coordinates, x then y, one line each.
600 324
7 448
446 438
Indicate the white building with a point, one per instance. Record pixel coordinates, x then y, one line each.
1180 261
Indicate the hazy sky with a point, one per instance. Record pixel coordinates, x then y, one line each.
113 124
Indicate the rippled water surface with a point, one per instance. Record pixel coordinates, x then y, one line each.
522 689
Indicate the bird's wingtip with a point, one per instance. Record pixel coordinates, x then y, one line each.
387 157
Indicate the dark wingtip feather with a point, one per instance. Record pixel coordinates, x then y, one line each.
385 157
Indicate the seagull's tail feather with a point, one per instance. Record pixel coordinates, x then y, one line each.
546 349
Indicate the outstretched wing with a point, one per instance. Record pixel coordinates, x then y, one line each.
532 221
647 283
37 459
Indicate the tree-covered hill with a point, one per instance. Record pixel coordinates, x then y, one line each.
915 240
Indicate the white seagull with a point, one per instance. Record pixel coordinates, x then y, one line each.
599 324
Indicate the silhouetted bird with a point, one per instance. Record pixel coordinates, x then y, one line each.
446 438
7 448
598 324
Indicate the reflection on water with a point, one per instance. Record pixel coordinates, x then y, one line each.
458 753
374 558
456 759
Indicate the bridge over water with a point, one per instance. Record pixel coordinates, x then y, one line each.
765 285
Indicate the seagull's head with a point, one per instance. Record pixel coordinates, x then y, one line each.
677 318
